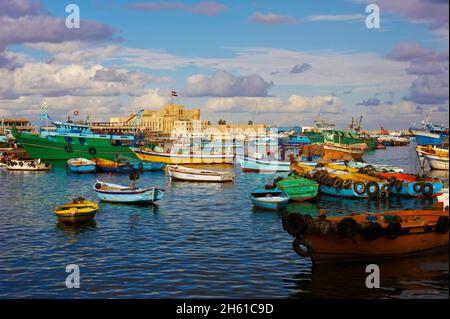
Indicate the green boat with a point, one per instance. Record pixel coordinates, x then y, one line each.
342 137
298 188
70 140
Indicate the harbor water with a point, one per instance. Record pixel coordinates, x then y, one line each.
200 241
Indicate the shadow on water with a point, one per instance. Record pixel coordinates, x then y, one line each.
419 277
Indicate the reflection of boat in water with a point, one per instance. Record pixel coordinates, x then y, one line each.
418 277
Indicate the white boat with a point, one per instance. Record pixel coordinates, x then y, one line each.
29 165
198 175
108 192
443 198
437 162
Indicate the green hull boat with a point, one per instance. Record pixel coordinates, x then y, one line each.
342 137
298 188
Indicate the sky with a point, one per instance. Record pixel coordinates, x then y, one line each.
277 62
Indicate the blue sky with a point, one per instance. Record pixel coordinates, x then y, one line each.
228 56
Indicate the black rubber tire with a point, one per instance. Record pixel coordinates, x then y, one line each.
442 224
357 189
304 253
384 194
98 186
427 189
393 230
347 227
372 231
296 224
417 187
20 164
373 189
92 150
134 176
347 183
338 182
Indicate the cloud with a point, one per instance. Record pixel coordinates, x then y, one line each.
431 71
300 68
341 17
294 104
271 18
17 8
208 8
224 84
151 99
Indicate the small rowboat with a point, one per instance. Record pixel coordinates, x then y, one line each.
368 236
31 165
298 188
344 151
80 166
77 211
112 167
198 175
122 194
437 162
270 199
142 166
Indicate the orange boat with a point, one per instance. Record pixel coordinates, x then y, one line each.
368 236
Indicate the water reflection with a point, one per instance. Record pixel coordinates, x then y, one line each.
420 277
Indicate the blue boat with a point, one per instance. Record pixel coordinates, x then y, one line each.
113 193
295 140
142 166
357 190
269 198
417 189
430 134
81 166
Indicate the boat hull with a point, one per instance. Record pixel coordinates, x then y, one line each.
270 205
437 162
183 159
75 219
407 190
145 196
43 148
427 138
81 169
197 177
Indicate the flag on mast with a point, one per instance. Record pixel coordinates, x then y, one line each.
174 93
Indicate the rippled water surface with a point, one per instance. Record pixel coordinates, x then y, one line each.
201 240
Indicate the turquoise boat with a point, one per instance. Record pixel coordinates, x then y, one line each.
298 188
269 198
81 166
143 166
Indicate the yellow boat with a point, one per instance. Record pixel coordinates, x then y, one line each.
77 211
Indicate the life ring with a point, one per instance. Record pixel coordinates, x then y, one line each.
427 189
347 183
347 227
300 242
359 188
417 187
68 148
92 150
372 231
442 224
393 230
373 189
75 113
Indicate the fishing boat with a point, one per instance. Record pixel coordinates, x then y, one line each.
295 140
402 184
77 211
68 140
370 236
269 198
198 175
81 166
27 165
298 188
108 192
429 134
142 166
159 156
344 151
375 167
108 166
437 157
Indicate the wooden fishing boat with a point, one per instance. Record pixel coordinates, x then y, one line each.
198 175
437 162
269 198
81 166
149 155
108 192
402 184
108 166
344 151
298 188
375 167
142 166
367 236
78 211
28 165
344 183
